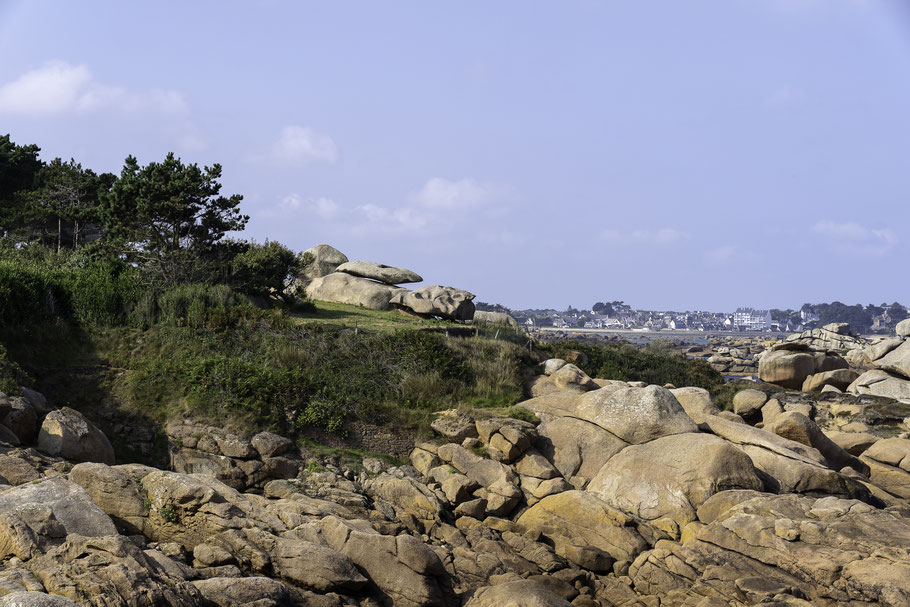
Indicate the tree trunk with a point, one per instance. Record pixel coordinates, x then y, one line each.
59 232
75 234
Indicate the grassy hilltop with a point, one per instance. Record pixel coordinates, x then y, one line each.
128 297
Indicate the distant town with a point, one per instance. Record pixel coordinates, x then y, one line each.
619 316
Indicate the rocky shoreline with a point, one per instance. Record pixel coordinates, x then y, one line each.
606 494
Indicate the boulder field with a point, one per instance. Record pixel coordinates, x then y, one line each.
613 494
833 359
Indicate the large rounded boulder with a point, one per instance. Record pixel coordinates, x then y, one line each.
67 434
436 300
672 476
635 415
344 288
786 368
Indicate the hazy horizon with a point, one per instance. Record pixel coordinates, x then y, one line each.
678 156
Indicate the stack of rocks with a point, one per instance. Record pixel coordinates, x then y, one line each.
329 276
889 366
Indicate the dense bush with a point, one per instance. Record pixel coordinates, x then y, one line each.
286 375
97 293
628 363
263 269
195 305
11 375
203 349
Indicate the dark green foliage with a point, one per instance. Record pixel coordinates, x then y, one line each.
487 307
859 318
168 206
190 305
169 215
19 166
263 269
628 363
98 292
287 376
523 414
64 204
11 375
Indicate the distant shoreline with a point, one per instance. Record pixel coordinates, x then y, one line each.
666 333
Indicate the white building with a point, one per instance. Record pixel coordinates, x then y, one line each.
749 319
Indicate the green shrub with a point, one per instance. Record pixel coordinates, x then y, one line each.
286 376
168 514
11 375
523 414
97 293
652 365
193 305
263 268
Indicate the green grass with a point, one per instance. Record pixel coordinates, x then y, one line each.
357 317
347 458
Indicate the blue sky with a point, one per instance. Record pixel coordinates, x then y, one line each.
675 155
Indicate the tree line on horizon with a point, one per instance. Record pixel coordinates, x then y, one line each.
167 218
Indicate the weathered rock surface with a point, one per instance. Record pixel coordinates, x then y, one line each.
903 328
672 476
377 271
696 402
785 368
437 300
897 361
41 514
671 513
881 383
66 433
829 551
839 378
635 415
340 287
324 259
580 518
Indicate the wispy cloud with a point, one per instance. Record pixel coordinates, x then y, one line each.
376 219
661 236
853 239
58 87
295 205
301 145
440 193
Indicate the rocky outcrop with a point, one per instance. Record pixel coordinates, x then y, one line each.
436 300
831 337
671 476
616 497
635 415
344 288
379 272
881 383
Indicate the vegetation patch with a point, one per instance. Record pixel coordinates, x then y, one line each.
652 364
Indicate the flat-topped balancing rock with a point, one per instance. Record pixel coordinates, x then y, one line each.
340 287
436 300
377 271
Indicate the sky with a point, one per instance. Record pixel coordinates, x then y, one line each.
699 155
